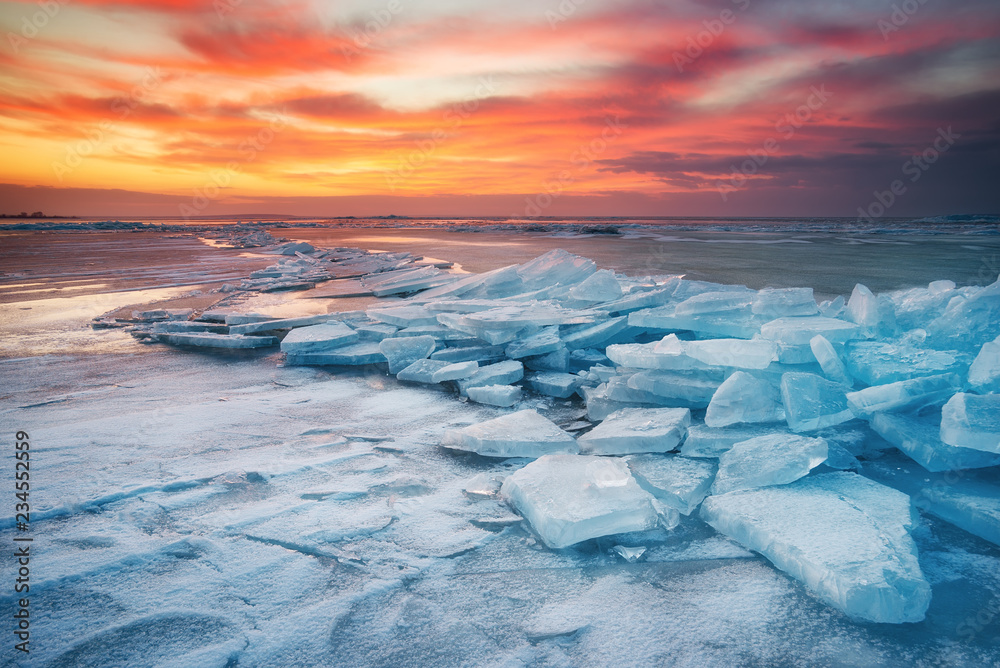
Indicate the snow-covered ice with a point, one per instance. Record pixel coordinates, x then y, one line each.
637 430
521 434
845 537
572 498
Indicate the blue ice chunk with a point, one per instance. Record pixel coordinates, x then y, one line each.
972 421
679 482
521 434
920 439
774 459
637 430
813 402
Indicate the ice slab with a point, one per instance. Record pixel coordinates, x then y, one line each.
542 343
828 359
984 374
554 361
783 302
571 498
968 322
586 359
744 398
375 331
665 355
677 389
403 316
596 335
876 315
454 370
553 383
904 394
557 267
318 338
354 354
637 430
715 302
972 421
736 353
920 439
273 325
845 537
813 402
968 499
501 373
679 482
469 354
800 331
600 404
882 362
504 396
421 371
188 326
711 442
601 286
521 434
775 459
739 323
208 340
403 352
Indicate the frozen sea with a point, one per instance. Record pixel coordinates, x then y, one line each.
194 509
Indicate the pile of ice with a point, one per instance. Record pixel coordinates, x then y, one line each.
741 408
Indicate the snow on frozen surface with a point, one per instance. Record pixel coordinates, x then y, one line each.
223 509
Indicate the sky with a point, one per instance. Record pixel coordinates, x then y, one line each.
519 108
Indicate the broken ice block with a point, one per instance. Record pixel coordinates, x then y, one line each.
403 352
679 482
813 402
555 361
970 501
542 343
600 405
601 286
736 323
984 374
920 440
902 394
666 354
691 390
876 315
881 362
715 302
553 383
637 430
469 353
782 302
799 331
844 536
738 353
501 373
421 371
557 267
454 371
829 360
596 335
273 325
504 396
521 434
972 421
775 459
968 322
572 498
711 442
353 354
318 338
403 316
744 398
208 340
375 332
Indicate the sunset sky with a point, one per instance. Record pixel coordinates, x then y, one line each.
514 108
